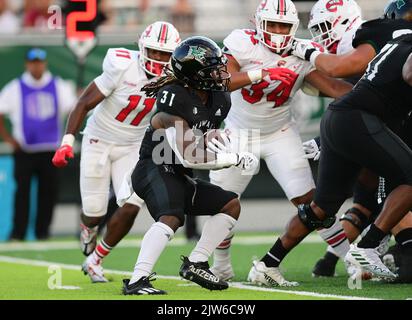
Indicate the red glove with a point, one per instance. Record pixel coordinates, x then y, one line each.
281 74
59 158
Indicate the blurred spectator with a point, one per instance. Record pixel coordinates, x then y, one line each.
9 23
183 16
35 104
36 14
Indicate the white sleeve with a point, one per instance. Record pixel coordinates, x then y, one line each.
239 45
114 65
223 160
66 93
8 97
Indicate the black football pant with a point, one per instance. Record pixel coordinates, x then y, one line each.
353 139
27 165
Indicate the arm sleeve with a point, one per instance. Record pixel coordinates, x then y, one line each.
114 65
368 33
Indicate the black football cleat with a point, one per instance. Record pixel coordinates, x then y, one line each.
398 259
141 287
325 267
199 273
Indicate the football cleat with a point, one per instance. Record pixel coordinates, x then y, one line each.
398 259
368 260
88 239
224 272
94 271
141 286
271 277
198 272
324 268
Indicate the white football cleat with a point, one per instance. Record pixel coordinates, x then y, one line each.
94 271
368 260
271 277
224 272
88 239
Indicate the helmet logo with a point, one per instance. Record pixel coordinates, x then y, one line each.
197 53
400 4
263 4
333 5
148 30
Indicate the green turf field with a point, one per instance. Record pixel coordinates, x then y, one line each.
24 274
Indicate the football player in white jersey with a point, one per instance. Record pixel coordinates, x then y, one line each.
112 137
265 78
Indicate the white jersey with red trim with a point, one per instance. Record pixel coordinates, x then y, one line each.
345 44
263 105
122 117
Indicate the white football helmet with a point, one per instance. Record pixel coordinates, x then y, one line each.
161 36
282 11
330 19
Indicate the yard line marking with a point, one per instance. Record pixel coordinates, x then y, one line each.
238 285
134 243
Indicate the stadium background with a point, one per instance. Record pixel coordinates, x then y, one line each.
264 208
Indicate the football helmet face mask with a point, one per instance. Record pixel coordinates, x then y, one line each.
161 36
330 19
398 9
280 11
200 63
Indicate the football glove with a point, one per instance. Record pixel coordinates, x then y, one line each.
59 158
281 74
306 50
247 161
312 149
217 146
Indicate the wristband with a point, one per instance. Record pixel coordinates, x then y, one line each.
68 139
313 57
255 75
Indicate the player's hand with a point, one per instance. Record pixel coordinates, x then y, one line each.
306 49
220 144
280 74
312 149
59 158
247 161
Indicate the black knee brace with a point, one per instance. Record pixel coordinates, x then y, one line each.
311 221
360 224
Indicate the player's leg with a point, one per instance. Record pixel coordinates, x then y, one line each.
164 193
123 158
94 189
204 198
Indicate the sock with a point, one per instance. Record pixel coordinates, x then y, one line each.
332 257
215 230
404 238
221 256
153 244
336 238
101 251
274 257
372 238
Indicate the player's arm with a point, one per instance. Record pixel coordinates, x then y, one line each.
328 86
6 136
407 70
352 63
240 79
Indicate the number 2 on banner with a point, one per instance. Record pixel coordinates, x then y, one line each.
279 95
73 18
133 102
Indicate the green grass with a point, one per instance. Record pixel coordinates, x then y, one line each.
19 281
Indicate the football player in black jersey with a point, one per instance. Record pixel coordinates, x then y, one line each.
383 93
191 100
368 41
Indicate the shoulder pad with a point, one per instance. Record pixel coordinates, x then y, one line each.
241 40
118 58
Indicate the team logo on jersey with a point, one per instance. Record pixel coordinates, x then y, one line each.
197 53
91 141
333 5
281 63
194 110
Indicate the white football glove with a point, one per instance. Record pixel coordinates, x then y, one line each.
216 146
306 50
247 161
312 149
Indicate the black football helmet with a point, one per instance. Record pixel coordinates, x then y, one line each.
200 63
397 9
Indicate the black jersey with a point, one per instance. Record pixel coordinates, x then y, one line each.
183 102
380 31
382 90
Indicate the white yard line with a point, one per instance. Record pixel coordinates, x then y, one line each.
133 243
237 285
